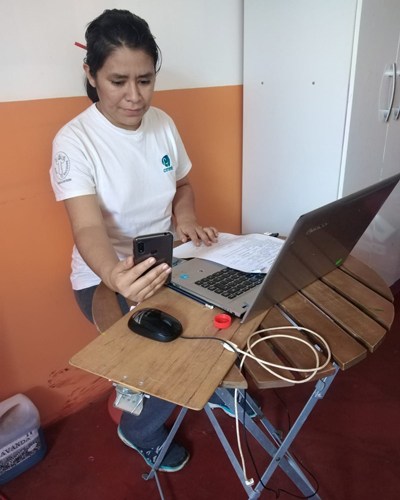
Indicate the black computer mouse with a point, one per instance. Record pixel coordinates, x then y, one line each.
155 324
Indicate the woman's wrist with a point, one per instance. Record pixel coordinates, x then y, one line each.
107 276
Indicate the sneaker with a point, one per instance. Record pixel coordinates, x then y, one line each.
216 402
174 460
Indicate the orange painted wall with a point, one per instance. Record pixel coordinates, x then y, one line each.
41 327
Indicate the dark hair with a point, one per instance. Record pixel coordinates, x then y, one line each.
117 28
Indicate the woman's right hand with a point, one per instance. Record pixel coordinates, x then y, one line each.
129 280
94 245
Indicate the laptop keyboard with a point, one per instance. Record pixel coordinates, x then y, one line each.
230 283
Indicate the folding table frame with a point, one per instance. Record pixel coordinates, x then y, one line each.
264 433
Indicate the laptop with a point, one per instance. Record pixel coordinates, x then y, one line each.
319 242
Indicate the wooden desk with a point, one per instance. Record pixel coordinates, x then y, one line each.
185 372
351 308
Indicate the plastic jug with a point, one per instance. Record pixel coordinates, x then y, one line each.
22 442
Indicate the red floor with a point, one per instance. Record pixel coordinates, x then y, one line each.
350 445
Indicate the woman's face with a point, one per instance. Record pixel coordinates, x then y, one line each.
125 86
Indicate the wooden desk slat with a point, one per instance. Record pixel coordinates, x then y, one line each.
282 352
234 379
353 320
264 350
367 300
298 355
262 378
368 276
346 351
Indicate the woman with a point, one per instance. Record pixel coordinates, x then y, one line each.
121 169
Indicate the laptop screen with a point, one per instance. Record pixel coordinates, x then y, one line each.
320 241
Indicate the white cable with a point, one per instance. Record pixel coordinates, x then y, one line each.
268 366
250 481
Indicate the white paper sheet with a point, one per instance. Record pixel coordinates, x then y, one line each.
248 253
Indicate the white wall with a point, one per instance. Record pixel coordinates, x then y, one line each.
201 43
311 128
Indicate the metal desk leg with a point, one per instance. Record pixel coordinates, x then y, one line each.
319 392
276 448
295 474
164 449
228 449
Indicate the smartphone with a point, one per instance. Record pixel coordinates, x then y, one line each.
157 245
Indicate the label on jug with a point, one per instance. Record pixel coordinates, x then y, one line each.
19 450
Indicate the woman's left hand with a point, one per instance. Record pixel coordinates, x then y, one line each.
198 234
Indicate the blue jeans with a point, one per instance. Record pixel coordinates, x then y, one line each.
146 430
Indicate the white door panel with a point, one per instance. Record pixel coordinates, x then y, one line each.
297 58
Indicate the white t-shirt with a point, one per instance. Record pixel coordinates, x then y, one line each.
133 174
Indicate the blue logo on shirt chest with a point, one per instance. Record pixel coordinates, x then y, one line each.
165 160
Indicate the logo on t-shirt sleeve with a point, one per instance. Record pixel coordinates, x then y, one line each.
166 161
62 166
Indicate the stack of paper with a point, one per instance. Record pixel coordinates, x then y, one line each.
249 253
